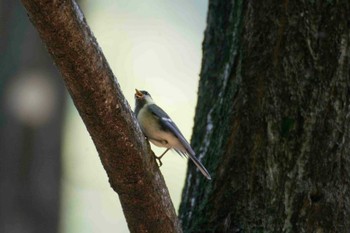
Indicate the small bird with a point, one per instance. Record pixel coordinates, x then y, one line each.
161 130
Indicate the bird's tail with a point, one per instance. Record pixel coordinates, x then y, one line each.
200 166
190 153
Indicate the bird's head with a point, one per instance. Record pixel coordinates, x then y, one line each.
143 97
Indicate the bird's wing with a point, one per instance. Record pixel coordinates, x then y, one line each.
168 125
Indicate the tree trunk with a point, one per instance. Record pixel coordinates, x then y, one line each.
30 139
272 119
129 163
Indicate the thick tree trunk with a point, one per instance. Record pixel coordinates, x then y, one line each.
272 120
124 153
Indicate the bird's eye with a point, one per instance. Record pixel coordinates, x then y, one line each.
146 93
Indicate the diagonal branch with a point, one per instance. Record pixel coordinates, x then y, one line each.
123 151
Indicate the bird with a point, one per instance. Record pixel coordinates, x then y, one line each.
160 129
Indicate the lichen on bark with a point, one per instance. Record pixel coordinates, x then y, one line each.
280 138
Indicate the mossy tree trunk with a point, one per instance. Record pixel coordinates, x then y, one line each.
272 119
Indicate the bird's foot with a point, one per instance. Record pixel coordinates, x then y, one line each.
160 157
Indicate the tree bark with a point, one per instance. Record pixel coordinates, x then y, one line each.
124 153
272 120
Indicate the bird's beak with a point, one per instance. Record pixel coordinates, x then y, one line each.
138 94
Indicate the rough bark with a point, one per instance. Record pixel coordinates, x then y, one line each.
124 153
272 119
30 155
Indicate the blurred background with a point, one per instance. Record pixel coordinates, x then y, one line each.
51 178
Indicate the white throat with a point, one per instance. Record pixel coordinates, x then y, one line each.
149 100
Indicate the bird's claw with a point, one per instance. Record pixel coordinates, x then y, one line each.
160 160
160 157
